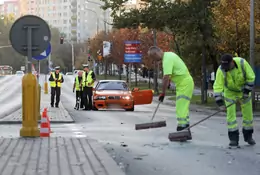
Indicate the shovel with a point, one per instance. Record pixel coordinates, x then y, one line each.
152 124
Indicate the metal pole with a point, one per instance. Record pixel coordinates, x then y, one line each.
39 69
97 24
72 56
105 38
29 49
155 80
252 41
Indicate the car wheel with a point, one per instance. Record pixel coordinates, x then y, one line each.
131 109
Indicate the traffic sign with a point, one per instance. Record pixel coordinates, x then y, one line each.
133 53
44 54
30 30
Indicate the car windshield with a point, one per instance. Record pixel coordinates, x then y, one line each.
112 85
19 72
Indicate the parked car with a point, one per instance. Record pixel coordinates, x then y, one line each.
69 73
19 73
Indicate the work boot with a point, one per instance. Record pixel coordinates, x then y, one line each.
180 128
248 136
52 105
190 137
234 138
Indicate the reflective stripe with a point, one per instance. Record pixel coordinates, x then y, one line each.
250 83
44 120
188 120
218 98
217 94
248 122
182 125
44 130
229 100
248 127
250 88
232 123
181 119
233 129
183 96
243 68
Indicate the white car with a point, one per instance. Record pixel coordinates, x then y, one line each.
69 73
76 71
19 73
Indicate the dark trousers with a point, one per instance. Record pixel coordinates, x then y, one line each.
87 96
55 91
79 94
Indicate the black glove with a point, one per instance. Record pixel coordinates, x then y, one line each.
73 90
161 97
220 102
246 93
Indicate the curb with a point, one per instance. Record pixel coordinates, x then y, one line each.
20 122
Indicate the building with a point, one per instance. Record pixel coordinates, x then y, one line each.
10 8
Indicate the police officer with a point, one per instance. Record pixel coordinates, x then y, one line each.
88 79
79 90
56 79
234 81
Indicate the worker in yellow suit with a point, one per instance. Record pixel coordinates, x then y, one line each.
174 69
234 81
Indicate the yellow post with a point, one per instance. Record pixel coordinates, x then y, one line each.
29 107
39 102
45 87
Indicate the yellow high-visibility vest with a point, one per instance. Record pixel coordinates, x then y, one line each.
88 79
77 86
53 83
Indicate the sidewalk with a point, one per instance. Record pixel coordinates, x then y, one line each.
55 156
57 115
200 108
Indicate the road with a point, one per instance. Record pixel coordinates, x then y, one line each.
149 151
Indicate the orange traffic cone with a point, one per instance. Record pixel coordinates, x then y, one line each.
48 119
45 125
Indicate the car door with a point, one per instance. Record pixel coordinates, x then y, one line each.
142 97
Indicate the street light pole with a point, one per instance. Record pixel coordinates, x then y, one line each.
252 41
72 57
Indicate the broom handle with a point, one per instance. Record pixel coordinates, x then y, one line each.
209 116
155 111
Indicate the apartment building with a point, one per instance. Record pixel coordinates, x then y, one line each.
10 8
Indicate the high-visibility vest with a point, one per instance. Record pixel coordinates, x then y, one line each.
53 83
77 86
88 79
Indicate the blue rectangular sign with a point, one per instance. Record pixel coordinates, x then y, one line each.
132 42
133 58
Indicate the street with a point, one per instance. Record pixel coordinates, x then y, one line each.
147 151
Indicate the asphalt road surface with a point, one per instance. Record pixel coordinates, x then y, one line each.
149 151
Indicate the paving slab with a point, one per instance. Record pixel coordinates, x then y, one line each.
56 115
55 156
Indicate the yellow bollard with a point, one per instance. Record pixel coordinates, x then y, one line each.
38 113
45 87
29 107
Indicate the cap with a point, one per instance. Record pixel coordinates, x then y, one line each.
57 68
85 65
226 59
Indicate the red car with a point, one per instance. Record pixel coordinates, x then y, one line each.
116 94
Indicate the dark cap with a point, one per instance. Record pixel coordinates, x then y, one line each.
57 68
226 59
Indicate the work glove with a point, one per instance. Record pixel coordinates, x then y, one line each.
246 93
73 90
161 97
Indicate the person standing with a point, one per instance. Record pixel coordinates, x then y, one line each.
174 69
56 79
79 90
88 80
234 81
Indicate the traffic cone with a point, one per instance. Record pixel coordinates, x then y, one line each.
48 119
45 125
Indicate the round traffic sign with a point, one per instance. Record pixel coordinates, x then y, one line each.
41 35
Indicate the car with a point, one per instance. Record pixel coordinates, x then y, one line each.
19 73
69 73
109 94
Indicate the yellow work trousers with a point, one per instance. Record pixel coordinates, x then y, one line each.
184 91
246 109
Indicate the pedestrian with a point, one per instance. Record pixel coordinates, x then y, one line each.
88 80
174 69
235 79
79 90
56 79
